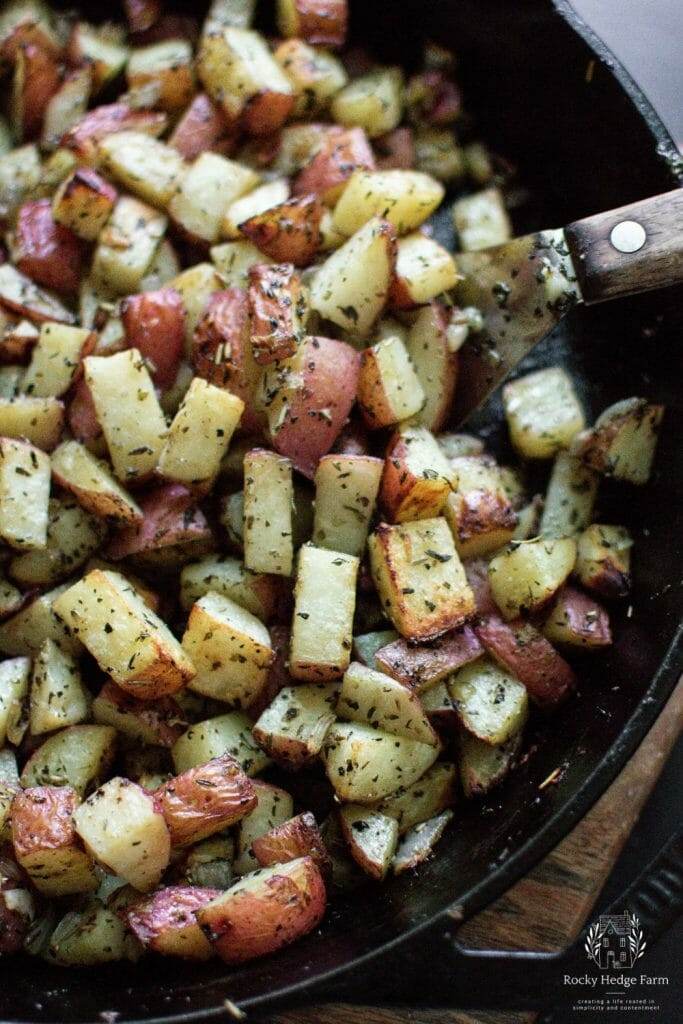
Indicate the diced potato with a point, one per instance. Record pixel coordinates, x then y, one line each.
121 827
79 757
373 102
38 420
417 478
323 619
200 434
48 253
346 489
90 937
603 562
208 188
126 246
241 210
364 764
279 309
404 198
569 500
268 498
371 837
481 220
274 807
230 649
126 638
165 923
375 699
66 107
35 79
20 170
72 537
293 727
10 379
315 74
209 863
438 153
419 578
479 512
205 800
430 795
58 695
234 260
145 166
25 631
229 577
196 285
389 390
14 677
418 844
93 484
225 734
22 295
84 202
483 766
323 22
577 621
298 837
622 442
352 286
526 575
542 412
11 599
435 364
424 269
420 666
167 65
129 411
45 842
491 704
24 494
98 49
325 159
159 722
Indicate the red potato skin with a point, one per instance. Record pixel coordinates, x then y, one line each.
318 410
82 415
41 820
395 150
298 837
154 920
205 800
244 925
289 233
415 664
584 617
477 572
440 99
267 112
521 649
322 22
47 252
277 306
341 153
142 14
154 323
84 136
202 127
41 80
170 517
164 715
90 183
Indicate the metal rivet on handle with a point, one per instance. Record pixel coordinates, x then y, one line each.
628 236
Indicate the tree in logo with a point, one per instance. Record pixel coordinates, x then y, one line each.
616 941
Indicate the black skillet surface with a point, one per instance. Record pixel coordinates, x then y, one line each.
552 98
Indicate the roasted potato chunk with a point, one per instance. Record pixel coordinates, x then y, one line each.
526 575
389 390
491 704
46 844
346 489
577 621
205 800
603 561
371 837
165 922
268 500
24 494
83 203
322 22
622 443
543 413
479 513
371 697
293 727
278 309
322 622
417 476
90 480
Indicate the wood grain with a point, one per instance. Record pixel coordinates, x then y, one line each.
569 879
606 273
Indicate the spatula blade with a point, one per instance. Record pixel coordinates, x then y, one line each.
523 289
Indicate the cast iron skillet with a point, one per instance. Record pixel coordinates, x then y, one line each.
550 95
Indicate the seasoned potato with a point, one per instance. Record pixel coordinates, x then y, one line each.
229 648
404 198
389 390
208 188
346 489
292 728
227 576
46 844
259 200
93 484
14 679
543 413
326 158
373 698
322 22
278 310
416 803
297 837
195 285
424 269
527 574
84 202
420 666
225 734
35 80
103 52
417 476
315 74
479 512
121 827
22 295
66 107
146 167
481 220
418 844
569 500
419 577
483 766
91 936
603 561
268 497
371 837
58 694
200 434
160 722
322 620
50 254
234 259
265 910
577 621
491 703
166 65
154 323
622 442
373 102
72 537
79 756
352 286
201 127
126 246
165 922
39 420
24 494
25 631
274 807
205 800
364 764
56 359
124 635
98 124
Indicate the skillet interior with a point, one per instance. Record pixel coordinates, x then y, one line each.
581 146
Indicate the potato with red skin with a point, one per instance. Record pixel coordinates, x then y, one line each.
154 323
83 139
321 22
477 572
433 99
202 127
577 620
265 910
170 518
165 922
298 837
142 14
278 671
419 666
395 150
277 305
84 202
160 722
46 844
50 254
36 79
16 907
288 233
266 112
340 154
521 649
205 800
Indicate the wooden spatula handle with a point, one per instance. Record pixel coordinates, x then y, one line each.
630 250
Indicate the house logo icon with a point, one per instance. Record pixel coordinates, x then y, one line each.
615 942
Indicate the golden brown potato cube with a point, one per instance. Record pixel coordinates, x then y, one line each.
145 166
205 800
278 309
322 622
293 727
129 642
419 578
228 576
288 233
24 494
200 434
259 200
126 246
91 481
424 269
325 158
491 704
46 844
166 65
58 694
38 420
577 620
321 22
375 699
346 489
603 562
526 575
224 734
479 512
56 359
208 188
481 220
417 476
229 648
622 442
389 390
569 500
268 500
404 198
165 922
84 202
315 74
373 102
80 756
543 413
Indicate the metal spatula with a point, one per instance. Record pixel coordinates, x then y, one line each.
524 287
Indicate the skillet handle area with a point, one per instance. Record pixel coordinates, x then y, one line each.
630 250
